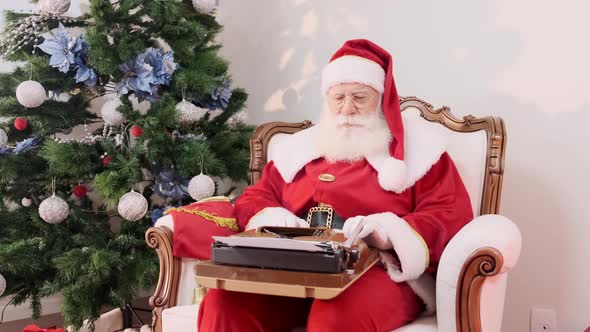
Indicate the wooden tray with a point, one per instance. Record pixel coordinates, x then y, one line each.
322 286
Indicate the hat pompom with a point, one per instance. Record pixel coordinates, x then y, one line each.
392 175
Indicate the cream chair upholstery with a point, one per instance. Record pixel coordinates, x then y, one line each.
472 274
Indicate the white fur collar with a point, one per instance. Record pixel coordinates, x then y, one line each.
424 144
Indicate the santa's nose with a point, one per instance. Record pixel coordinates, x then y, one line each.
348 107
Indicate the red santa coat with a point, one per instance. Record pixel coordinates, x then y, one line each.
431 208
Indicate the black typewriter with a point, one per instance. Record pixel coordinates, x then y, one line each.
287 248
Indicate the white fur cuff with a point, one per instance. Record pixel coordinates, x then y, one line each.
409 246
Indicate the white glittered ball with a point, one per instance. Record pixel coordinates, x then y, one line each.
187 112
30 94
3 139
204 6
56 7
26 202
53 210
132 206
109 112
2 285
240 117
201 187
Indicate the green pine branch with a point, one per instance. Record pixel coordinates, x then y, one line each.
73 159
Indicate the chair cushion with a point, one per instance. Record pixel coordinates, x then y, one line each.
187 282
180 318
424 324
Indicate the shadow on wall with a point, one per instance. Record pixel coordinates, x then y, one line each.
439 53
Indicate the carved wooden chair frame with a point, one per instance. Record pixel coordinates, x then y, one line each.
482 264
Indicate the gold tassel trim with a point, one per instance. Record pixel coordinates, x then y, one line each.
215 199
230 223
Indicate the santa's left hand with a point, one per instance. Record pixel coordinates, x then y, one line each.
372 230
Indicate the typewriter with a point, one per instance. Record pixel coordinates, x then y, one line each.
298 262
285 248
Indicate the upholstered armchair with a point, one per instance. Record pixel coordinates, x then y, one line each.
473 271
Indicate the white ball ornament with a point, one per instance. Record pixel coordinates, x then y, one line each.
109 112
201 187
30 94
53 210
132 206
55 7
204 6
26 202
2 285
3 139
187 112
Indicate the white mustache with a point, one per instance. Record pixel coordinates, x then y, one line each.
357 120
367 134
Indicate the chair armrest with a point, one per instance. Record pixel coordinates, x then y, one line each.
160 239
486 247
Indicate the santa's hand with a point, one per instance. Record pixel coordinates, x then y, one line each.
371 231
276 216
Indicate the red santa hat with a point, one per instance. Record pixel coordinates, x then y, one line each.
362 61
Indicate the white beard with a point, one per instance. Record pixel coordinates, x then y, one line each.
352 143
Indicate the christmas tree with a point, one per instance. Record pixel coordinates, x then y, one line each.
170 115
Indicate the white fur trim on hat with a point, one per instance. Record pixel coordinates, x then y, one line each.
353 69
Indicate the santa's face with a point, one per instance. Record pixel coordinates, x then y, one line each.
352 125
352 99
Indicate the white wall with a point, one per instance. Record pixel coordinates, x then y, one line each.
526 61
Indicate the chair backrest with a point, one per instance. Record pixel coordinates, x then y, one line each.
476 145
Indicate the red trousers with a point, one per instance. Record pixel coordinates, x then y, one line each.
372 303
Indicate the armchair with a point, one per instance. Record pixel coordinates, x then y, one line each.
472 274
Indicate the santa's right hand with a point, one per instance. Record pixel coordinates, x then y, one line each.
276 216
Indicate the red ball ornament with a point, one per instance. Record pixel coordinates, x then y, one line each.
21 123
136 131
80 191
106 160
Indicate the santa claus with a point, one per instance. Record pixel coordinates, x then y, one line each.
364 164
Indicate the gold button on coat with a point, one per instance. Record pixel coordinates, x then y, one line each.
325 177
